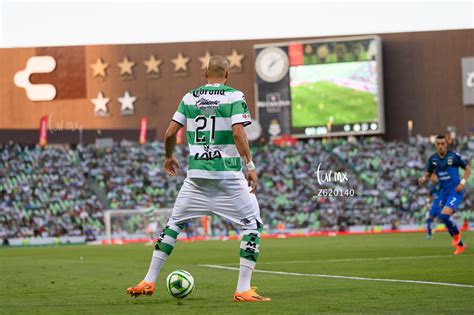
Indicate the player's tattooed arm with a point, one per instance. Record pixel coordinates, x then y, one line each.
170 143
242 144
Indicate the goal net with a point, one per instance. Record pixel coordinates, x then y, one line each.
144 225
134 224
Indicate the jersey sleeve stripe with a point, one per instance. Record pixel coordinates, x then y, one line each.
179 118
241 119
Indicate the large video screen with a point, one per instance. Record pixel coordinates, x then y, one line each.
334 94
318 88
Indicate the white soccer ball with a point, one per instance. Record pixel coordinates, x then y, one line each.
180 283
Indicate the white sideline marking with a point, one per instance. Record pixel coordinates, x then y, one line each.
344 277
347 259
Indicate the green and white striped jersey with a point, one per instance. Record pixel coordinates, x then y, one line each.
208 113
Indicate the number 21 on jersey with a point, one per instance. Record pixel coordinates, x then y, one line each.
202 122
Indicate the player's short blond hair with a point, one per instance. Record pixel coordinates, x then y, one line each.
217 67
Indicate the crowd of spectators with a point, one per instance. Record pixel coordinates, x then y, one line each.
132 175
314 184
43 193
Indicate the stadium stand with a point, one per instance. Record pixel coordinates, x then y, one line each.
44 193
50 191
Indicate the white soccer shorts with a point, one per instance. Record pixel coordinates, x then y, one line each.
228 198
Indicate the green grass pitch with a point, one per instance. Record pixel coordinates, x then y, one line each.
56 280
312 105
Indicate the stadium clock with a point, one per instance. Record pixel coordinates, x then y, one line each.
272 64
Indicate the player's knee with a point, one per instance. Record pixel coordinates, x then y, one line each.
259 226
251 224
447 210
175 224
445 218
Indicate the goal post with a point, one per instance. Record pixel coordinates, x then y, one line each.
130 224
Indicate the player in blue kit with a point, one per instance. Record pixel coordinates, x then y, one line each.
445 164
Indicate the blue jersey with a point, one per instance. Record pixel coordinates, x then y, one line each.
447 170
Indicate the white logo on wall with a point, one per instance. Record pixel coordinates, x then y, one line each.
253 131
36 92
467 68
470 79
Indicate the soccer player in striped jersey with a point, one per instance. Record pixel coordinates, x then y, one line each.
214 115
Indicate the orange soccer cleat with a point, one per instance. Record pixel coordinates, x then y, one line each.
456 239
460 249
250 295
146 288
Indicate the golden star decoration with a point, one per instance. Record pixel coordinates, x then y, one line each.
180 62
99 68
126 66
205 59
152 65
235 60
